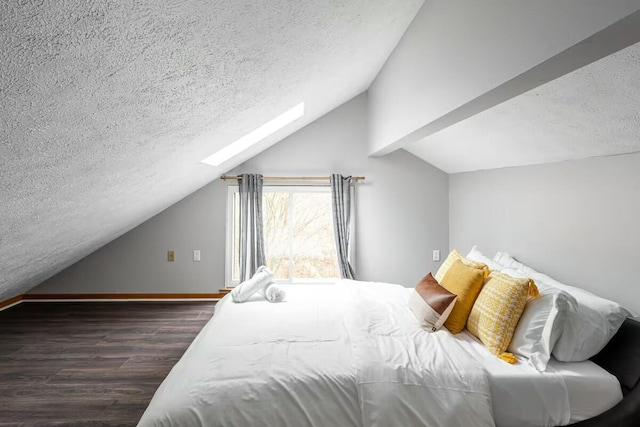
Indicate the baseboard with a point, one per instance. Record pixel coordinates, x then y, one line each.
118 296
110 297
11 302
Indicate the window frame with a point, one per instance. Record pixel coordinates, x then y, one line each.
284 188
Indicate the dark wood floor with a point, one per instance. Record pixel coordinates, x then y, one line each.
90 364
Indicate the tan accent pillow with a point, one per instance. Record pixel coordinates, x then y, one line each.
431 303
453 257
466 282
497 310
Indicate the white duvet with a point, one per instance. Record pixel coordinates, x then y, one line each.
351 354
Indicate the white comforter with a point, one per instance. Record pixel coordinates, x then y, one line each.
351 354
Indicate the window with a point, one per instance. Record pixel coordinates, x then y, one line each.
298 234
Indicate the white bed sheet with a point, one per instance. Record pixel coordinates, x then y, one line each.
351 354
355 356
564 394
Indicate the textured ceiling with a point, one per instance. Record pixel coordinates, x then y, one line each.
593 111
107 107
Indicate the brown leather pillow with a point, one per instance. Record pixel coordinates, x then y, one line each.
431 303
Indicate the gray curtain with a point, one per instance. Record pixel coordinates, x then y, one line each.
252 253
341 206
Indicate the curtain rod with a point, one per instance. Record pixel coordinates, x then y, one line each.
291 178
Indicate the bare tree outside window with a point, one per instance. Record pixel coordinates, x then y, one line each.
277 233
298 233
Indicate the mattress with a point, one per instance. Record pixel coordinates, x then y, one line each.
564 394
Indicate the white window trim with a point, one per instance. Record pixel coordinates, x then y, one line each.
305 188
228 269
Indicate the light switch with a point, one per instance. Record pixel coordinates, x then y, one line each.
436 255
196 255
171 256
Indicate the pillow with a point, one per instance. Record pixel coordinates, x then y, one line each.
464 281
496 312
431 303
454 256
587 329
541 323
477 256
590 327
507 261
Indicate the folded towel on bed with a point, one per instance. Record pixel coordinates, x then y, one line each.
273 293
262 277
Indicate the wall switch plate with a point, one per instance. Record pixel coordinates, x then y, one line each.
171 256
436 255
196 255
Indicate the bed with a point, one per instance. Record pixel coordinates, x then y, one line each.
352 354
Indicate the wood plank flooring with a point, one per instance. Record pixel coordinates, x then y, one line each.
90 364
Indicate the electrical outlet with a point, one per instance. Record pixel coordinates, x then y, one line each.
196 255
171 256
436 255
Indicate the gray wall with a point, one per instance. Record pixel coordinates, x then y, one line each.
136 262
577 221
402 215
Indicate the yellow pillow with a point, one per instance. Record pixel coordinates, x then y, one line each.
453 257
498 308
464 281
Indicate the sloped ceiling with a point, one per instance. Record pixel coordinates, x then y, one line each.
106 108
593 111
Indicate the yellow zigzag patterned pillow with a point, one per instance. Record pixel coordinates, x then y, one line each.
453 257
497 310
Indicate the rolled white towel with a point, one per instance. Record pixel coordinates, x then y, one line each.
274 293
262 277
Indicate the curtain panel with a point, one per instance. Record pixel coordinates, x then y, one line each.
252 253
341 208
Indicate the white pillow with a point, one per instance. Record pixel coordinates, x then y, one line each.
476 255
587 329
507 261
541 323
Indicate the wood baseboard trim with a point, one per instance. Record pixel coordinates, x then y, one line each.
11 302
109 297
137 296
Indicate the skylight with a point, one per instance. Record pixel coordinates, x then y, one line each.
235 148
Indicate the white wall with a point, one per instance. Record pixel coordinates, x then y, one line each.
402 215
456 51
578 221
